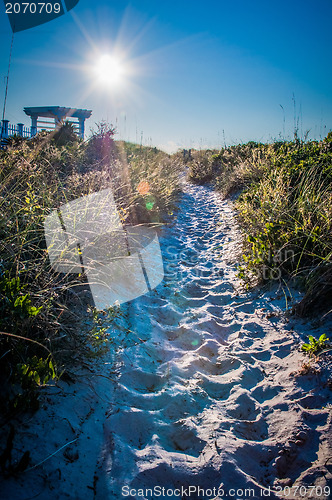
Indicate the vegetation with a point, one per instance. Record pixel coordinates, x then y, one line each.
315 346
284 209
43 313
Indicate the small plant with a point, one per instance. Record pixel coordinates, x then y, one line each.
315 346
13 302
36 372
98 337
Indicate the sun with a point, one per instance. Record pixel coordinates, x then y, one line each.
109 70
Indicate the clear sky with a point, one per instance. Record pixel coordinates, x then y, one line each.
192 73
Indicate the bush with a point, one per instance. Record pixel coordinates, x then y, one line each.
200 169
65 135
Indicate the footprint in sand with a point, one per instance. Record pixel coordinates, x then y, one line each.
197 402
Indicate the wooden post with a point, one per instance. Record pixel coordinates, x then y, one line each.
4 133
81 121
34 119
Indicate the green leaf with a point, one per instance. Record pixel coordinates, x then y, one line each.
33 311
36 378
306 347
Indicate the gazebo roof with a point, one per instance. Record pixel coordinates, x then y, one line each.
59 112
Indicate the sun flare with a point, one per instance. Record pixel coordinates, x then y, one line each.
109 70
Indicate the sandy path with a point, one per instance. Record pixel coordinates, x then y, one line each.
209 398
202 394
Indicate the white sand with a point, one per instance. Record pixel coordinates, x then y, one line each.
204 393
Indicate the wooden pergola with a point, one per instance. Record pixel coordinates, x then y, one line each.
58 115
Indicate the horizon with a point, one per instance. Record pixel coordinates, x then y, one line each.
174 77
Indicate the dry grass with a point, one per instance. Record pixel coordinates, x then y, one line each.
40 308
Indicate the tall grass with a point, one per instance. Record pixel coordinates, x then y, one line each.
43 312
284 209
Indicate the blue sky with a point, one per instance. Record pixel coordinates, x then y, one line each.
196 74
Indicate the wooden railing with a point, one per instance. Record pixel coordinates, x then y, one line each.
8 130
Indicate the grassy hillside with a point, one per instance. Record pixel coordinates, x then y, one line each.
42 312
285 210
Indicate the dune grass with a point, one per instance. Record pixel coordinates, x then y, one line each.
284 209
43 314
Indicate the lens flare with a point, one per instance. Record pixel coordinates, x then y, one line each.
143 187
109 70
